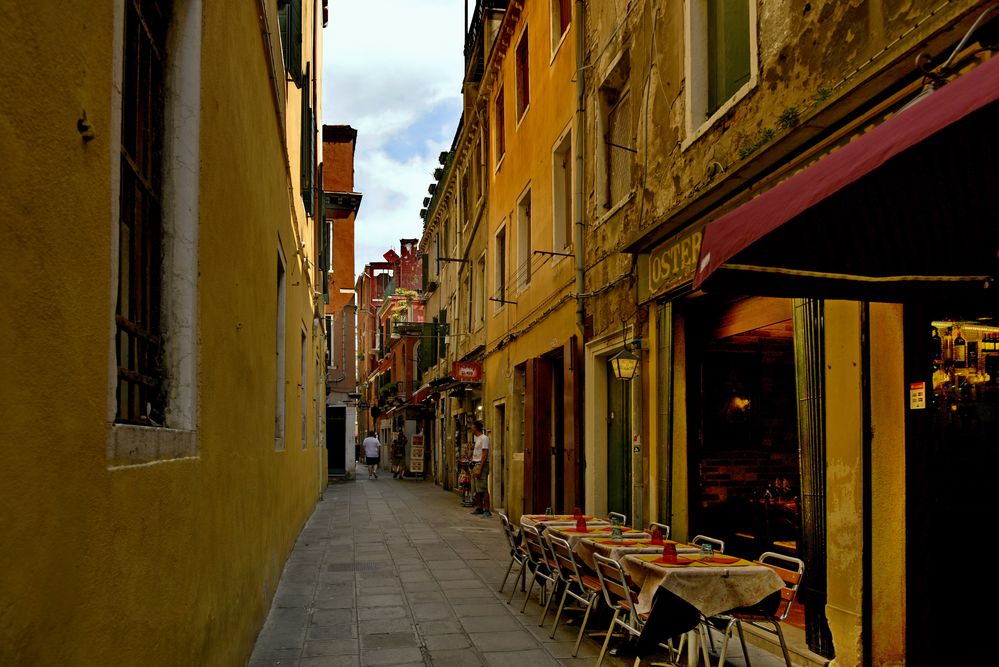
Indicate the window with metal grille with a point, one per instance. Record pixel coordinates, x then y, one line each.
618 143
141 391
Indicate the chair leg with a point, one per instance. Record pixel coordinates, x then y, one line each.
548 604
507 575
529 589
742 640
582 627
521 574
783 644
726 635
705 640
558 614
610 632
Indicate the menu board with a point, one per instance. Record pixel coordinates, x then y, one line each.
416 459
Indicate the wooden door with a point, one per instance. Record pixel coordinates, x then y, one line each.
537 436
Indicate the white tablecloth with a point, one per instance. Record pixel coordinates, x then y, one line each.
712 589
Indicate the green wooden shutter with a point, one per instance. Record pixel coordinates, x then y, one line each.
428 343
728 50
290 17
441 333
308 141
295 30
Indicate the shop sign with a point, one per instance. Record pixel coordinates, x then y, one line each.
673 263
466 371
917 395
416 459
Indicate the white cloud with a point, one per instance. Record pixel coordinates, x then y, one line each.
393 69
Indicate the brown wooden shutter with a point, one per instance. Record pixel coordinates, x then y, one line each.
529 414
572 435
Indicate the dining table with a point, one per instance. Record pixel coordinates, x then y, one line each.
608 547
678 591
573 536
542 521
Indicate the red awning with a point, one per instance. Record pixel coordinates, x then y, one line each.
910 206
420 395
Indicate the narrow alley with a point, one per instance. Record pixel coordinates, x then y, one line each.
391 572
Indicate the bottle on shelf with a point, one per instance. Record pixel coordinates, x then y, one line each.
947 344
960 351
936 345
973 355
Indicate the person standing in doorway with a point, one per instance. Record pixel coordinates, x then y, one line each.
399 454
372 454
480 470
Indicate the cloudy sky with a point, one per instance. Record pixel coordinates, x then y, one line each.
392 70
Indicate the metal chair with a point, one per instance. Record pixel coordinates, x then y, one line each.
517 554
577 584
790 570
719 545
663 529
623 518
620 597
538 560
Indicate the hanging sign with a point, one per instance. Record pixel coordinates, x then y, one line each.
466 371
917 395
672 264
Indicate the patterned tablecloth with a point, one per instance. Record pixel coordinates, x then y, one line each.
540 521
572 536
605 546
712 587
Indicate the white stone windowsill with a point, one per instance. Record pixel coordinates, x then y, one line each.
130 445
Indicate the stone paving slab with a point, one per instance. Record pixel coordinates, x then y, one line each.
396 572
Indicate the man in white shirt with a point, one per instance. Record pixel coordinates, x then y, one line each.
372 454
480 470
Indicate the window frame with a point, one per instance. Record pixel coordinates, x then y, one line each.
525 234
501 286
696 54
557 38
499 127
564 175
522 73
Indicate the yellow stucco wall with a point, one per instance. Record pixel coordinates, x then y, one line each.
173 562
543 316
888 486
844 484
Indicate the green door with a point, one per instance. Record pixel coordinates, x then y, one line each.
618 445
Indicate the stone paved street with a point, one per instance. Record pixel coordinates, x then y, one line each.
397 572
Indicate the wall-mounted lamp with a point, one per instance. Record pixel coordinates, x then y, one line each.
625 365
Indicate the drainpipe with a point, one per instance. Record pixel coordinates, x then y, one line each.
578 176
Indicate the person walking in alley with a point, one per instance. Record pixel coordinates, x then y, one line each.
480 470
372 454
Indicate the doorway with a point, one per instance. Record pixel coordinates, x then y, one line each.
618 443
951 448
336 444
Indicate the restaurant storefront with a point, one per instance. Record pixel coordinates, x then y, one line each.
735 409
896 231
